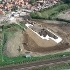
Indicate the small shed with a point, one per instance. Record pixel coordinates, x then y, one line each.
27 54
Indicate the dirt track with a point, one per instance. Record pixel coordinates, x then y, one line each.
30 66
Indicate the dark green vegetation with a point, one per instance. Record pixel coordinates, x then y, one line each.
14 8
49 13
66 1
32 1
63 66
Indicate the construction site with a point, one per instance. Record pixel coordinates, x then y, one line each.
39 38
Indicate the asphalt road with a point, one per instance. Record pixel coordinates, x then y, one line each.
36 64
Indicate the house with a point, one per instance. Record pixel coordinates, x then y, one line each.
2 12
1 5
26 2
8 4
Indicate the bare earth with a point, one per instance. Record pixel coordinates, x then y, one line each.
19 38
60 29
39 41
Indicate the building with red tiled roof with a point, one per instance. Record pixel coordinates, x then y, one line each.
1 11
8 4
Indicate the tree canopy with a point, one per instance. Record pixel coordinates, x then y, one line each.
66 1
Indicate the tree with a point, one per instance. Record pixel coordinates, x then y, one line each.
39 14
14 8
66 1
32 14
32 1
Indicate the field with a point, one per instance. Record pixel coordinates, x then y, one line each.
64 15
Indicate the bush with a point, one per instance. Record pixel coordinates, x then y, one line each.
66 1
14 8
32 1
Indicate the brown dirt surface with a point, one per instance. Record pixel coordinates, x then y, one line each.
32 46
61 30
39 41
29 42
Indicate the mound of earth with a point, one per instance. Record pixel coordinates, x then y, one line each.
31 45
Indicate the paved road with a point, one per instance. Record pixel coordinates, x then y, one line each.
27 66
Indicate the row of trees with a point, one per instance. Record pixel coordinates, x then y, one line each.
66 1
